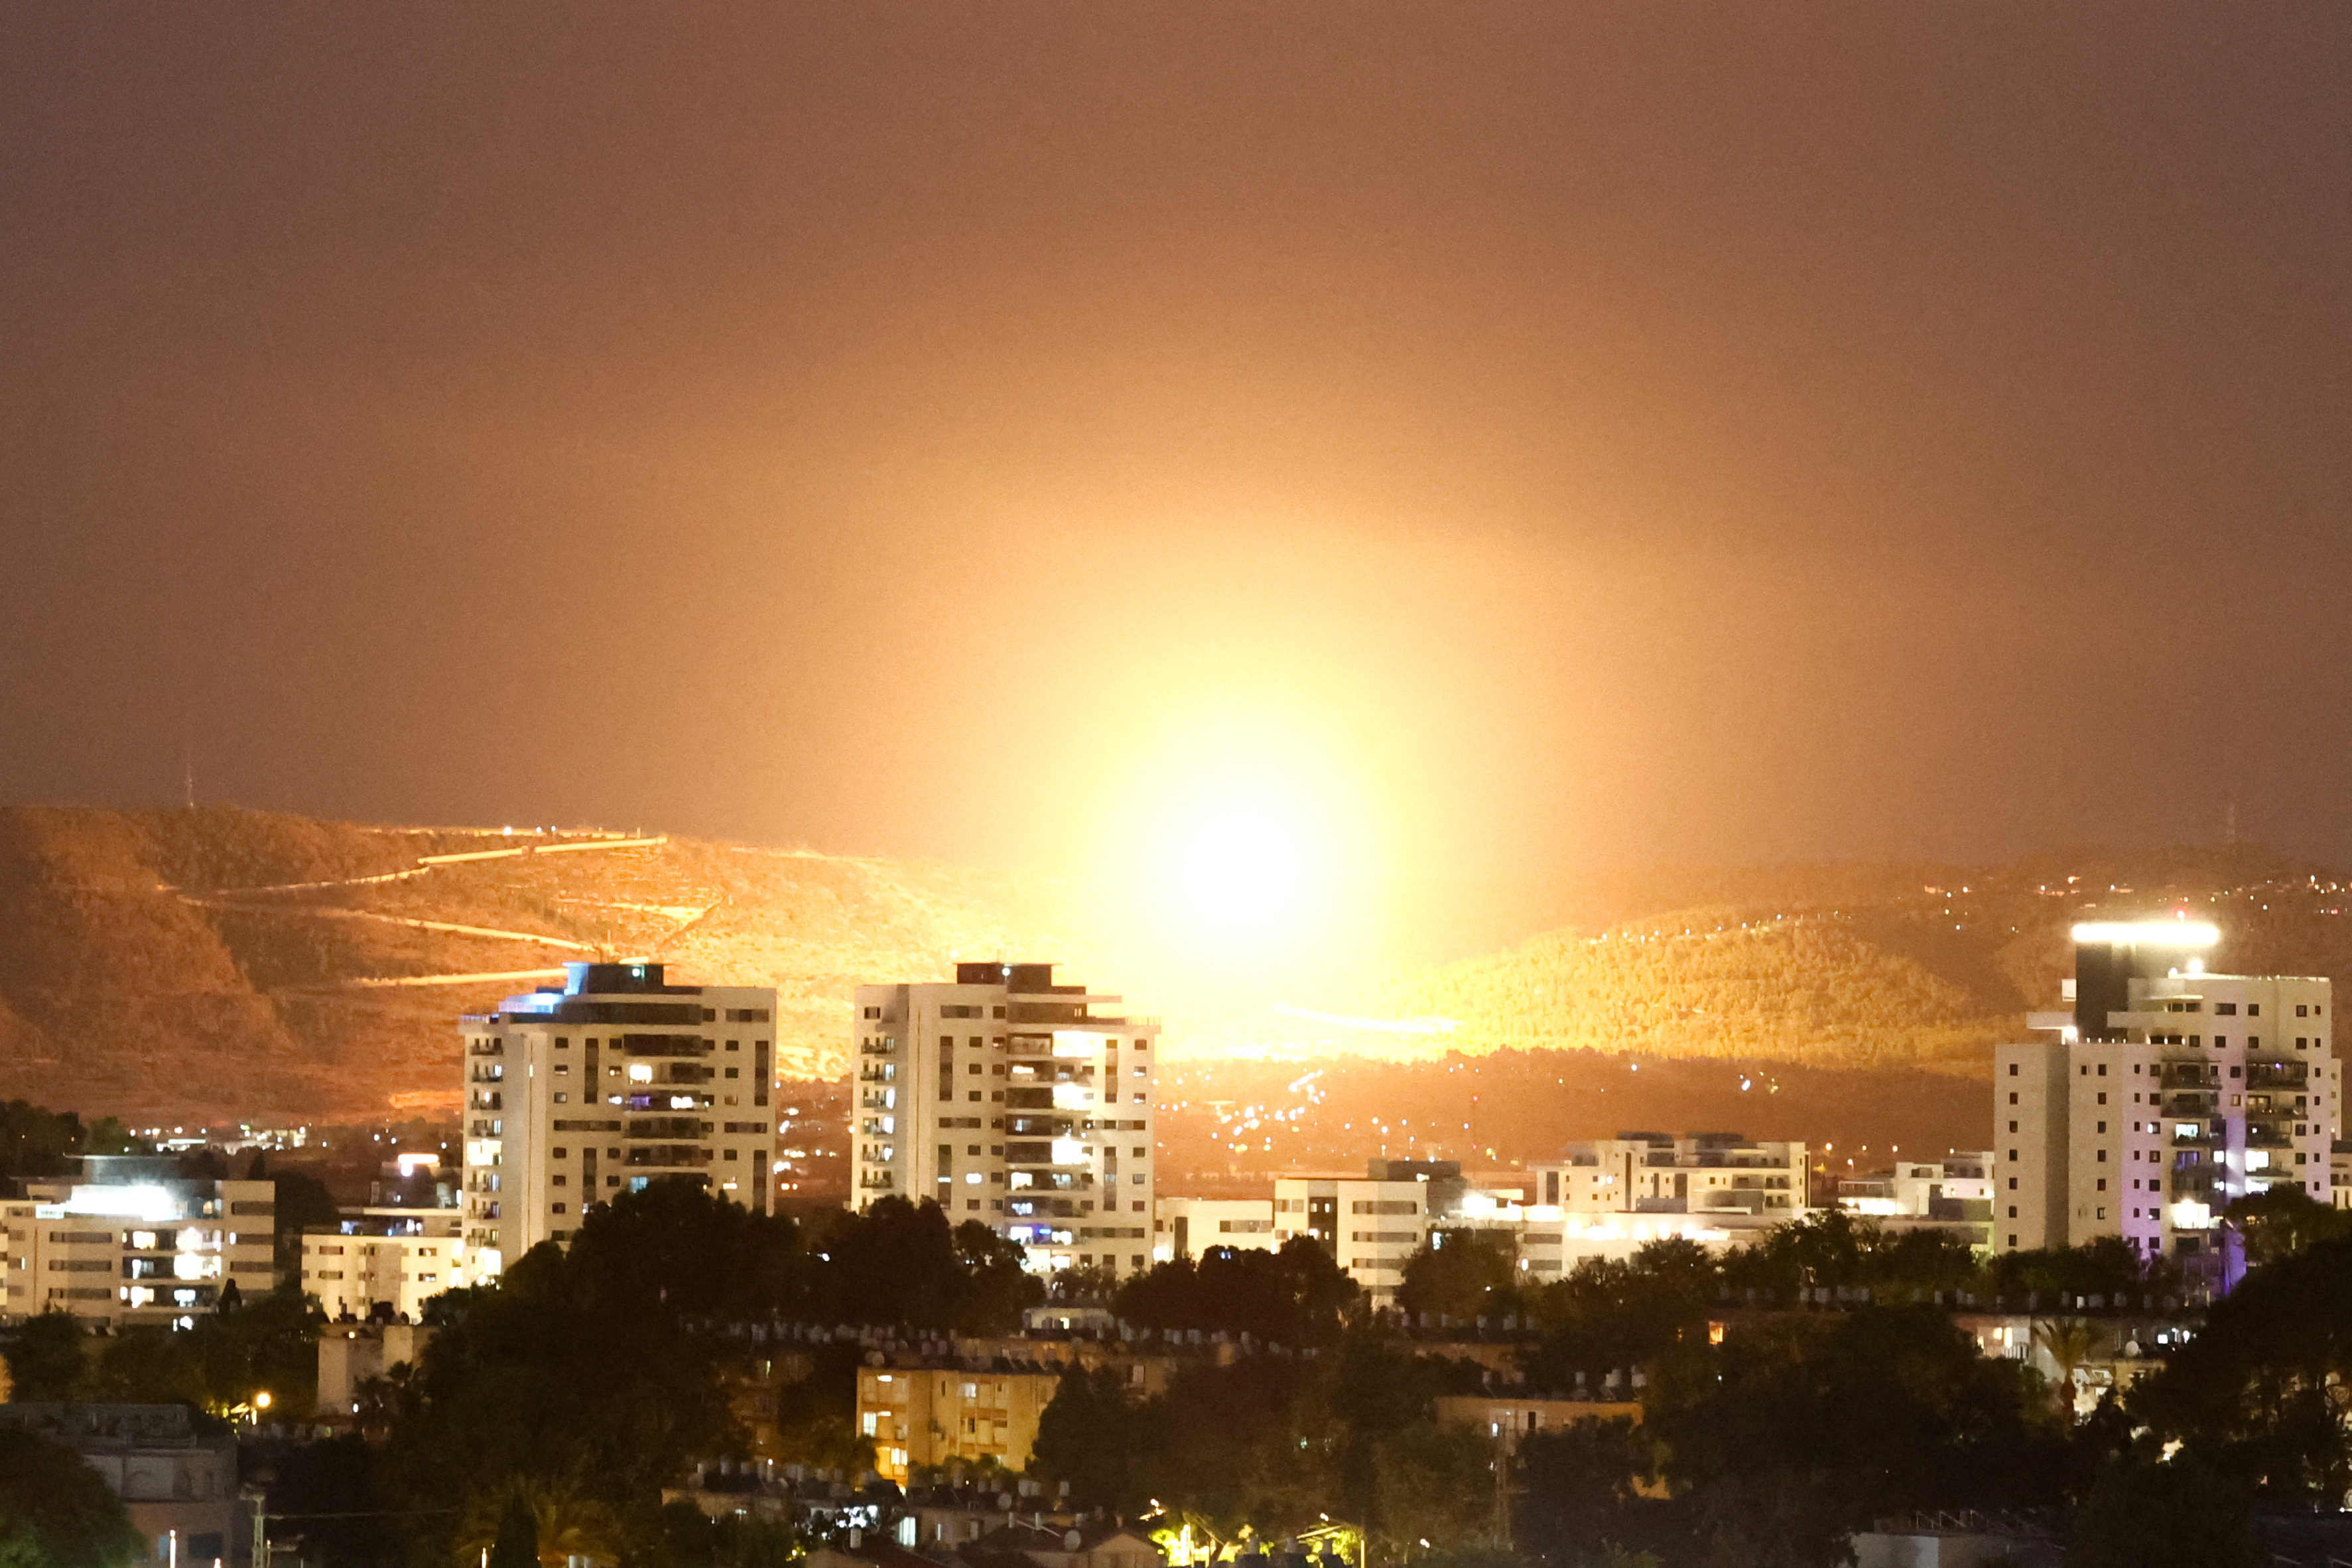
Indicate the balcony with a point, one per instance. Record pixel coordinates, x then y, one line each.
664 1046
2192 1075
878 1181
878 1048
2193 1102
676 1155
668 1127
2277 1075
487 1049
2202 1183
886 1072
1038 1126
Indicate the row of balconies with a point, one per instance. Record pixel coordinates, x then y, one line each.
667 1155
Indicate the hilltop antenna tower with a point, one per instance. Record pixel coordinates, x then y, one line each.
2230 820
187 777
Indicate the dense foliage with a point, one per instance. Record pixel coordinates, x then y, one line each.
590 1377
56 1511
262 1344
1292 1297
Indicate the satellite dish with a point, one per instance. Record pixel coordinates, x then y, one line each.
1071 1540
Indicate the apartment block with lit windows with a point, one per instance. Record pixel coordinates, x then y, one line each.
575 1093
1010 1100
2164 1093
129 1240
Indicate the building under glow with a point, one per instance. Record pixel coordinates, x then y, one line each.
1006 1098
576 1093
131 1241
2162 1094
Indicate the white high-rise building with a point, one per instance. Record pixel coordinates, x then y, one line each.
2163 1093
578 1092
1005 1099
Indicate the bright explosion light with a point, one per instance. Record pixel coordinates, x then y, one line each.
2148 933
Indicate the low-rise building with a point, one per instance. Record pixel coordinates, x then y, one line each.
1700 1173
351 1354
129 1240
394 1259
1186 1227
926 1415
178 1485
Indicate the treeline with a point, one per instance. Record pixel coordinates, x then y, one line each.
1468 1276
1770 1444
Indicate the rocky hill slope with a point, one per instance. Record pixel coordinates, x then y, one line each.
220 962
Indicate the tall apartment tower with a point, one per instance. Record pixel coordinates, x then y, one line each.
1006 1098
577 1092
2163 1093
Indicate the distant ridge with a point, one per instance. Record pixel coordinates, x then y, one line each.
215 963
224 961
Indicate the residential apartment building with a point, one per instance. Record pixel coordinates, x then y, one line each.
1186 1227
2164 1093
131 1241
1953 1192
391 1258
1717 1174
1007 1098
1373 1224
614 1079
928 1415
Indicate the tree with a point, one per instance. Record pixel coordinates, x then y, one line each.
2143 1513
515 1543
1293 1297
2070 1343
1783 1440
1579 1488
54 1504
1461 1275
2261 1390
36 1142
298 1199
2282 1220
46 1360
1098 1440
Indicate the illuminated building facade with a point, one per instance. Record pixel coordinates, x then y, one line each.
614 1079
131 1241
1006 1098
2165 1093
1718 1173
1186 1227
398 1258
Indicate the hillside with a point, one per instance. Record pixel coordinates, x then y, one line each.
220 962
1854 966
183 965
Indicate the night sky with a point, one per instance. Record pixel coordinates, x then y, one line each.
1560 436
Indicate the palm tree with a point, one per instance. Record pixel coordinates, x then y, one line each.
2070 1343
565 1523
